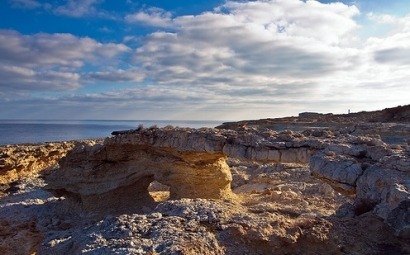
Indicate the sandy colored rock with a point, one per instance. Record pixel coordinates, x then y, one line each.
281 209
191 162
113 177
18 161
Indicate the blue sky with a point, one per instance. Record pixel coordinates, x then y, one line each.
222 60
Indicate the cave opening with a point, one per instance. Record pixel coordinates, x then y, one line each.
158 191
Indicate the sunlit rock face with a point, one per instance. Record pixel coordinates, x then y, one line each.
113 177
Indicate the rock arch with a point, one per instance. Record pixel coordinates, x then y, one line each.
113 177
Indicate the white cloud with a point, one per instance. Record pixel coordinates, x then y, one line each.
20 78
155 17
245 59
78 8
116 75
71 8
274 53
50 61
251 44
394 47
396 24
382 18
328 23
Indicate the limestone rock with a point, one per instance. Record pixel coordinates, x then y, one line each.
280 208
18 161
113 177
19 238
341 172
378 175
191 162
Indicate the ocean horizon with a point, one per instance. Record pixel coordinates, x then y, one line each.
39 131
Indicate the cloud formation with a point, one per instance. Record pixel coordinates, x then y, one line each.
118 75
49 61
243 59
258 44
78 8
271 52
155 17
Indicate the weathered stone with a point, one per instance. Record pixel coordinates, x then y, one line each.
192 163
114 177
386 187
377 175
342 173
274 155
398 162
378 152
399 219
18 161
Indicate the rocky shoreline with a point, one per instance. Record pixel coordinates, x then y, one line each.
242 189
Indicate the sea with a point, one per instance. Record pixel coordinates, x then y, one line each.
38 131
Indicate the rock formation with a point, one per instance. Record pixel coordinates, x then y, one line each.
391 124
114 176
19 161
247 191
377 174
190 161
394 115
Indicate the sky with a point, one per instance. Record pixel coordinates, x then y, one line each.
201 60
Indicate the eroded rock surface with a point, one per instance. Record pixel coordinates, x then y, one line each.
391 124
280 210
113 177
377 174
19 161
278 207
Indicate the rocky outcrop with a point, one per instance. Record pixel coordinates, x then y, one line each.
399 114
114 176
279 208
391 124
197 226
376 173
18 161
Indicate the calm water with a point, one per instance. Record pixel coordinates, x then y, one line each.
34 131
